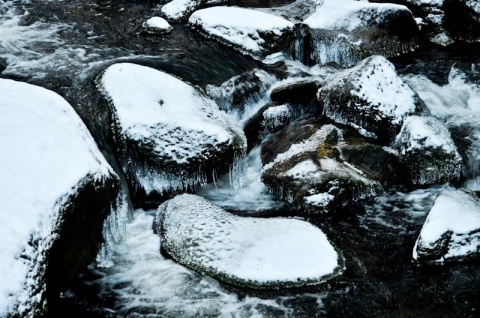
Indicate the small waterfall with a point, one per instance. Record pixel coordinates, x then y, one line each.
238 172
301 51
114 228
243 95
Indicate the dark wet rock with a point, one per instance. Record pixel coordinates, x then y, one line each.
239 92
462 19
269 119
377 163
301 91
251 32
257 253
168 135
3 64
57 191
312 171
452 229
371 98
346 32
292 134
428 151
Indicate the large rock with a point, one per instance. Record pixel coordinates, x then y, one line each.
428 151
269 119
56 191
157 26
180 10
462 19
372 98
168 135
312 172
251 32
249 252
347 31
452 229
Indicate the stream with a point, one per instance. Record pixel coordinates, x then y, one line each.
64 45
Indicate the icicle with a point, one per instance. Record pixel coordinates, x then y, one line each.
238 172
114 229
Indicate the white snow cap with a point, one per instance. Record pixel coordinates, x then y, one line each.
248 251
457 212
345 14
157 23
46 151
239 26
154 105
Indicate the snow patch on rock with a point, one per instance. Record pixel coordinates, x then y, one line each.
452 228
157 25
252 252
177 129
47 152
253 32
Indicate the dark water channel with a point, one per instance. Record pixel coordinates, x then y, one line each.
376 237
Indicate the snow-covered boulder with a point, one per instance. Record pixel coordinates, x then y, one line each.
347 31
428 151
451 230
269 119
251 32
372 98
312 172
180 10
168 135
56 190
249 252
157 25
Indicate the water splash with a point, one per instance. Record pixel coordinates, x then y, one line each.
143 281
243 95
457 104
252 198
114 228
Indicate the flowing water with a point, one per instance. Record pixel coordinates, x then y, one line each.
63 45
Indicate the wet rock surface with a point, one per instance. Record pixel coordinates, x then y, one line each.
312 172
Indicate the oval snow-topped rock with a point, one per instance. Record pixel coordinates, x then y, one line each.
56 189
252 32
167 133
251 252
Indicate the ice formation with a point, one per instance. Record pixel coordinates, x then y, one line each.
346 31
